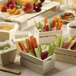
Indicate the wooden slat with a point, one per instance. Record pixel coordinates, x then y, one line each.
65 51
65 58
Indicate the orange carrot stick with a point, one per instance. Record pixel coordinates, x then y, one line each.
22 46
45 21
59 26
27 44
35 43
72 39
53 24
59 20
56 19
32 44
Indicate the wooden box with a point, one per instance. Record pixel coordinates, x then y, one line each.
36 64
47 37
26 20
8 35
20 36
65 55
7 56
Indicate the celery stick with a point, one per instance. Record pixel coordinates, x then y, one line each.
44 47
62 40
31 53
49 24
40 26
37 53
50 49
36 24
58 40
39 48
66 41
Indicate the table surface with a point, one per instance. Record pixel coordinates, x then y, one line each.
61 68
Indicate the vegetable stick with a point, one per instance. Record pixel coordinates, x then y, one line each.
31 41
35 43
59 26
45 21
29 47
32 44
74 47
56 19
53 24
72 39
22 47
59 20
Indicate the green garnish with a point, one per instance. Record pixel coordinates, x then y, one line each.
5 47
62 15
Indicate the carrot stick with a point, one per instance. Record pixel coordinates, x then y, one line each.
72 39
53 24
32 44
22 46
35 43
59 20
31 41
28 44
45 21
59 26
56 19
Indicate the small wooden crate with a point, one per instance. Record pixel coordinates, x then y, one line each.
65 55
8 35
46 37
26 20
36 64
7 56
20 36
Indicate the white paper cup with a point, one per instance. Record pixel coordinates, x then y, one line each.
71 27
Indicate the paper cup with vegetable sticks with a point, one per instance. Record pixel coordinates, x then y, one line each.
47 31
35 56
7 30
71 27
7 52
66 49
20 36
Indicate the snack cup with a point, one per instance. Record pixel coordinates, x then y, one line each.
71 27
8 35
7 56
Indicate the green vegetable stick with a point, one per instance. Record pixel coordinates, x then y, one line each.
31 53
36 24
37 53
49 24
66 40
39 48
62 40
44 47
50 50
58 40
40 26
